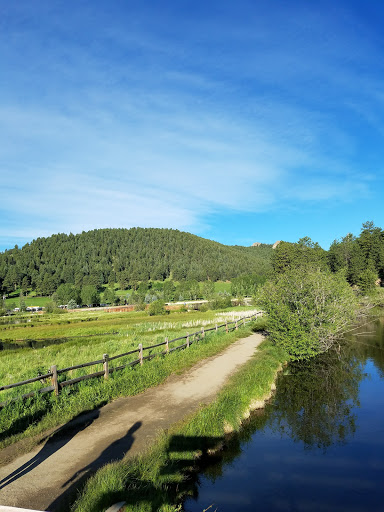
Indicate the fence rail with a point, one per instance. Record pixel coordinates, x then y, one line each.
56 386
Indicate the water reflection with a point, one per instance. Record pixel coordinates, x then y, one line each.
314 400
46 342
318 446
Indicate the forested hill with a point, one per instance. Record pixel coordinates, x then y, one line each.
125 256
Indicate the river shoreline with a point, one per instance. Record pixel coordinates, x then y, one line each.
160 476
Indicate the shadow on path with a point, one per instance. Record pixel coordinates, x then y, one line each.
114 452
54 442
176 478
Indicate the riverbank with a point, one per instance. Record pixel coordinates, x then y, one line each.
160 478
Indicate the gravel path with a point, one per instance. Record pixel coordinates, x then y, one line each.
47 477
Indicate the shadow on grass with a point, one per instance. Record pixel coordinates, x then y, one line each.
177 477
22 423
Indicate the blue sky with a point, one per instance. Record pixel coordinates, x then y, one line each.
242 122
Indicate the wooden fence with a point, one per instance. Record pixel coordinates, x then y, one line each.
54 372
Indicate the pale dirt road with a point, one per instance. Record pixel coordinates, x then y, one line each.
47 477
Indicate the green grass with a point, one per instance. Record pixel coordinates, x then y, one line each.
25 419
161 478
30 300
221 286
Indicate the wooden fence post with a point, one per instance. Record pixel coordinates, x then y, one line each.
236 326
55 384
244 322
226 326
216 327
141 353
187 339
106 366
202 332
166 344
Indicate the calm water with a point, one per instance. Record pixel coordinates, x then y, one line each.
319 446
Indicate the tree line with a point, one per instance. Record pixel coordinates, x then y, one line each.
312 296
360 258
126 257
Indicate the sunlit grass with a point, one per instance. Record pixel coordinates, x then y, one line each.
22 419
161 478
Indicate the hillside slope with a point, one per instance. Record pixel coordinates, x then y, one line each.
126 256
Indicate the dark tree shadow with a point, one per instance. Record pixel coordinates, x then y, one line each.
53 443
114 452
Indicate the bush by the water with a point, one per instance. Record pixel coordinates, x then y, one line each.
308 309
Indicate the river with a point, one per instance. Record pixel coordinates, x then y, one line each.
318 445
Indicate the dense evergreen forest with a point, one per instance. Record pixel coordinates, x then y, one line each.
128 257
125 257
360 259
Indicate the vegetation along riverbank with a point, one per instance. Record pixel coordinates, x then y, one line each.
160 478
311 297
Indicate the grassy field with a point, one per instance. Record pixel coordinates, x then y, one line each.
221 286
83 336
31 300
161 478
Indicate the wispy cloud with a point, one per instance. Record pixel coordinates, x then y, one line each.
123 122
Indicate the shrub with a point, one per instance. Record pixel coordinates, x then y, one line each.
50 306
259 325
221 301
72 304
307 311
157 307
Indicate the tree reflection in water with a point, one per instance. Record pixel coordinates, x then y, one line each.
314 447
314 400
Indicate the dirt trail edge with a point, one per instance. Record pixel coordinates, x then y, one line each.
45 478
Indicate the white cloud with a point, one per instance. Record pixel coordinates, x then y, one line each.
135 128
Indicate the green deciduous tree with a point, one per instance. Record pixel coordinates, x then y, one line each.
156 307
308 309
208 289
66 292
220 301
89 295
109 296
22 305
72 304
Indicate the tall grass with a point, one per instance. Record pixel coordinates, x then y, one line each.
24 419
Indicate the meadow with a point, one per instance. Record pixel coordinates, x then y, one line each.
31 299
82 336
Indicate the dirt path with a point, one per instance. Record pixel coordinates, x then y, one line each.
47 477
